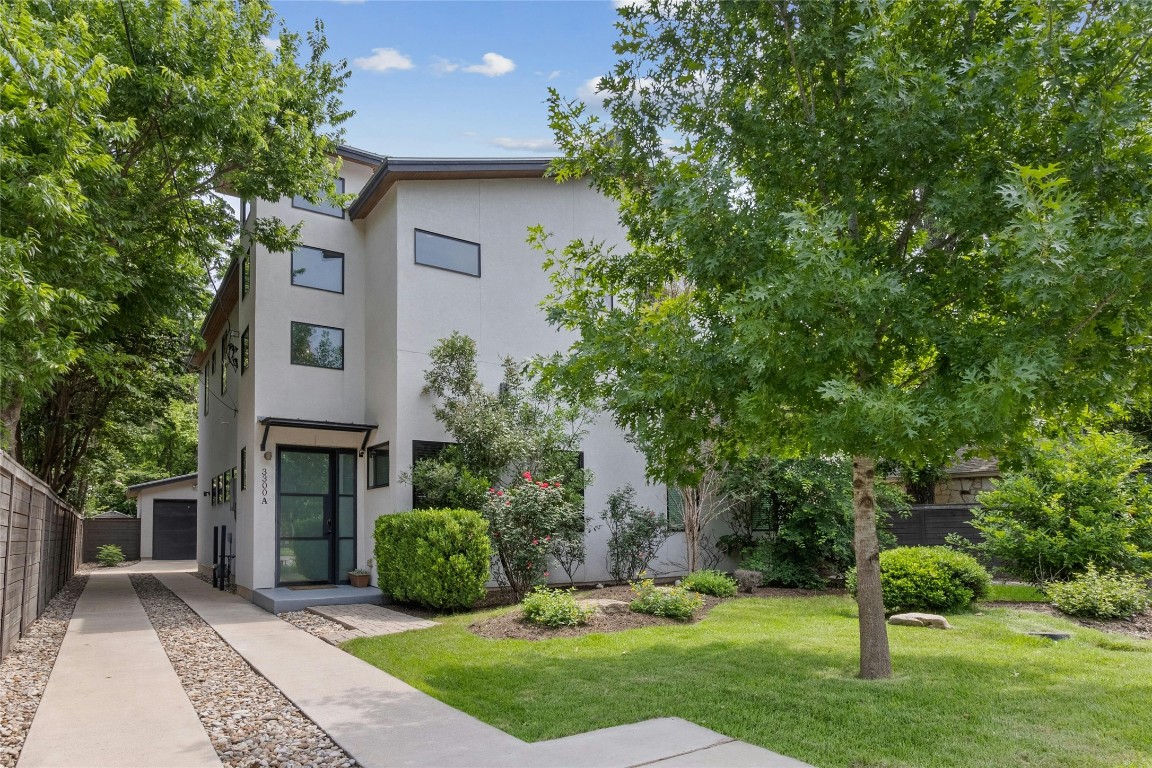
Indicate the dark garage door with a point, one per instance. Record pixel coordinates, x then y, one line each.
173 529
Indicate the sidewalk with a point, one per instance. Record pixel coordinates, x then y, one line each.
384 723
113 698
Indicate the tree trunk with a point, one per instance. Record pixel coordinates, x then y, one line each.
10 423
875 662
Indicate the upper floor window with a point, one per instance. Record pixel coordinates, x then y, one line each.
204 395
318 268
246 274
317 345
245 343
322 206
224 363
448 253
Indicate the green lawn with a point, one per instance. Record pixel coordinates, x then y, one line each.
1016 593
781 673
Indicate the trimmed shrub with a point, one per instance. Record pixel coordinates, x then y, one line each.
710 583
672 602
1096 595
928 579
554 608
437 558
109 555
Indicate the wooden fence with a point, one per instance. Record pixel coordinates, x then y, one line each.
123 532
928 525
40 547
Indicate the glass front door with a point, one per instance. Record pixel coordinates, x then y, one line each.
316 503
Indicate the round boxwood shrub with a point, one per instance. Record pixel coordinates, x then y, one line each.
437 558
928 579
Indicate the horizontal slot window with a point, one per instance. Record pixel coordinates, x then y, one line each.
323 206
448 253
317 345
318 268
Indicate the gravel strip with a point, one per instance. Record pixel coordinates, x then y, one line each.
208 580
248 720
312 623
24 672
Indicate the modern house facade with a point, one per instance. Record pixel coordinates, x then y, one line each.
313 365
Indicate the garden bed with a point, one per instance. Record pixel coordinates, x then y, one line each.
1139 626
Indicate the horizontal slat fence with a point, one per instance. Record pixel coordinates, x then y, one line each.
40 548
929 524
123 532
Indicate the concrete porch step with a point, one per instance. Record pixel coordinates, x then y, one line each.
281 599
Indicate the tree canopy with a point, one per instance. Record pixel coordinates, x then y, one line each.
122 120
880 229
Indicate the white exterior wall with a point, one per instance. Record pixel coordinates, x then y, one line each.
392 312
186 490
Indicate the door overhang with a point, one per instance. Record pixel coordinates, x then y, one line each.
331 426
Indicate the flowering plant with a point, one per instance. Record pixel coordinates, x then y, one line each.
525 520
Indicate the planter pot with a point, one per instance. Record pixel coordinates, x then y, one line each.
359 579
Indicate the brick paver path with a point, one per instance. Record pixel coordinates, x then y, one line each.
367 621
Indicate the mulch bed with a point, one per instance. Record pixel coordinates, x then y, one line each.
512 626
1139 626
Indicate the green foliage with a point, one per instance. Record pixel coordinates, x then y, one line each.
1097 595
928 579
1073 502
433 557
803 518
712 583
671 602
525 520
122 120
554 608
443 483
109 555
635 535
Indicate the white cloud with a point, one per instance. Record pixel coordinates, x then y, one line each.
627 3
589 90
494 65
271 43
444 66
531 145
383 60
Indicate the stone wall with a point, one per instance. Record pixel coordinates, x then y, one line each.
962 490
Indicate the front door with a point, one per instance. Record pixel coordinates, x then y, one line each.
316 507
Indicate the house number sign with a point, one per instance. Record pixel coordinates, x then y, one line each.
264 485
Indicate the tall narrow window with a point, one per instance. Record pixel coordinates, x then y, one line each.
246 274
421 450
443 252
675 509
224 363
323 205
244 351
317 345
378 466
318 268
204 393
243 469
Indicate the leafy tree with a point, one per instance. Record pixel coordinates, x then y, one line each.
1074 502
877 229
120 122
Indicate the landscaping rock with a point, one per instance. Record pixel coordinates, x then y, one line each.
748 580
920 620
606 607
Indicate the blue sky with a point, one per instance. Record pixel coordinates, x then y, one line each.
460 79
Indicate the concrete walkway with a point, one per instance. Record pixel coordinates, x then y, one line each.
113 698
385 723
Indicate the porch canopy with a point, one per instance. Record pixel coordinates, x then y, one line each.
332 426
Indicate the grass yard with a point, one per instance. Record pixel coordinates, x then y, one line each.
780 672
1016 593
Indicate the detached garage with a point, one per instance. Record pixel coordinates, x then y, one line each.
167 512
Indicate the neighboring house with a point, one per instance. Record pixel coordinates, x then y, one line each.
965 479
167 512
313 365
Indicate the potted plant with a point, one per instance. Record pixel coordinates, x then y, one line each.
359 577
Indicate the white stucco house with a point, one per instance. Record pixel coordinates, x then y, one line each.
311 374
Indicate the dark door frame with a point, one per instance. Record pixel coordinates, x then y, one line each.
331 512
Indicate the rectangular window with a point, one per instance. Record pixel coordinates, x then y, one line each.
243 469
224 363
317 345
763 518
378 466
318 268
232 485
421 450
246 274
244 346
675 509
448 253
323 206
227 488
213 361
215 490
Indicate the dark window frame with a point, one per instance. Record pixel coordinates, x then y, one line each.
325 254
244 468
205 390
304 205
245 348
246 274
224 363
370 474
421 450
312 365
416 258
